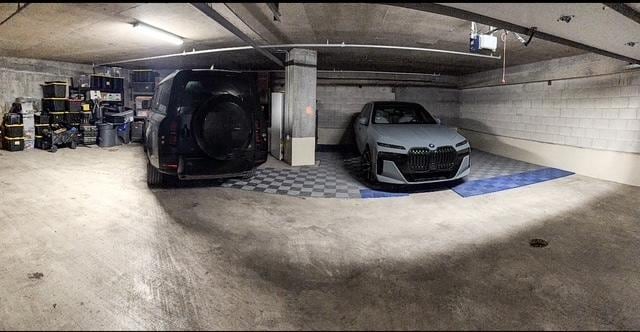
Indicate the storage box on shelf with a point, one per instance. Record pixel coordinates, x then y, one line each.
12 119
54 105
118 118
74 105
42 143
56 117
42 119
73 117
143 75
107 83
13 143
14 130
41 128
54 89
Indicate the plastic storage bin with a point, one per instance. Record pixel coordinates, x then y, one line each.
41 143
74 105
73 117
41 128
54 90
42 119
14 131
143 76
106 83
13 143
54 104
56 117
12 119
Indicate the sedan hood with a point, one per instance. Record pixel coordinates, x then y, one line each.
417 135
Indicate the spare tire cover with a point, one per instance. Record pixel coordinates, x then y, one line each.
222 127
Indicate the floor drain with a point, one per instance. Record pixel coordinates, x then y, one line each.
538 243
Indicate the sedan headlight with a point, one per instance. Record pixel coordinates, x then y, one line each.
391 146
462 143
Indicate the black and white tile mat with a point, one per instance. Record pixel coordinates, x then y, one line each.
337 175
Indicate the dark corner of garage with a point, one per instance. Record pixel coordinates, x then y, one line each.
319 166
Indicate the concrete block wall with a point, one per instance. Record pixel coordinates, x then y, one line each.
580 114
601 112
440 102
21 77
338 104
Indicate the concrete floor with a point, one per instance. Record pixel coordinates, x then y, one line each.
84 244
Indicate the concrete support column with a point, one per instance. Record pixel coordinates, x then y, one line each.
300 107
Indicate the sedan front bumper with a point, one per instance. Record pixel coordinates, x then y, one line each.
392 174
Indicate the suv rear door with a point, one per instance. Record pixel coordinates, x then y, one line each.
216 113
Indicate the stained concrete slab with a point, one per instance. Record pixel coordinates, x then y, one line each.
112 254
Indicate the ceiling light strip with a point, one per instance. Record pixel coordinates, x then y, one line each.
158 33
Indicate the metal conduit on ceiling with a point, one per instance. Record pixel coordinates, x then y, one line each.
343 45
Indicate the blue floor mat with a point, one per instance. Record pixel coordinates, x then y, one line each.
368 193
499 183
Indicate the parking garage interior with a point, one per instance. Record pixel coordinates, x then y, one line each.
542 233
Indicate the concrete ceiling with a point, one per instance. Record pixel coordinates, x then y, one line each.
592 24
95 33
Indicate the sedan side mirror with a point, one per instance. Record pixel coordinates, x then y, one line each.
438 121
363 121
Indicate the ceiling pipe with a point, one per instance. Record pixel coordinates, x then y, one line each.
351 72
343 45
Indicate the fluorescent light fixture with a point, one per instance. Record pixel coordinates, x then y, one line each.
160 34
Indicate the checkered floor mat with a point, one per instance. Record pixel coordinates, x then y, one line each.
337 175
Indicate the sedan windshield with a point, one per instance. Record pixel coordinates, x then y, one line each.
401 114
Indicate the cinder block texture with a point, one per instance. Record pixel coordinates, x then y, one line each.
22 77
599 112
440 102
337 106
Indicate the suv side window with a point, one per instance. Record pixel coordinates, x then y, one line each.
161 98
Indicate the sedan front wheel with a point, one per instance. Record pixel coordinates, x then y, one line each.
368 167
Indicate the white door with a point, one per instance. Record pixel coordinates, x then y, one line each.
275 132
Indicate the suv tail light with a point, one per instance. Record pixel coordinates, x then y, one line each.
173 133
258 132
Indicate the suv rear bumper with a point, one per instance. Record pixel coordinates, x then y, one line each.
205 168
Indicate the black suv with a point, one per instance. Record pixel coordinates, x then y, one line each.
203 126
